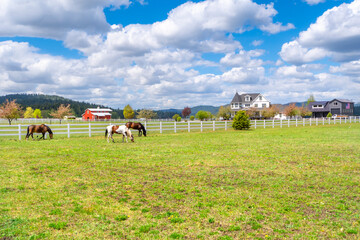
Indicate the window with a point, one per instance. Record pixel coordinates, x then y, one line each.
260 97
247 105
335 103
264 105
236 105
256 105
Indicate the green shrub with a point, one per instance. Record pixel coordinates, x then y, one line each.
241 121
192 118
329 115
175 117
178 119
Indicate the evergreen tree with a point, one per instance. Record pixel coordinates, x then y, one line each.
241 121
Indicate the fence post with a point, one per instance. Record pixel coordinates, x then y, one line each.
303 122
289 122
175 127
225 125
280 123
160 127
310 121
273 125
213 125
329 121
188 126
323 121
345 120
316 121
340 120
296 122
20 132
89 129
201 126
145 125
68 128
264 124
255 123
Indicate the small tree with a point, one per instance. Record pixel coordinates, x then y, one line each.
329 115
29 113
304 112
10 110
128 112
192 118
175 117
270 112
310 99
178 119
186 112
37 113
61 112
241 121
291 110
202 115
147 114
251 112
224 112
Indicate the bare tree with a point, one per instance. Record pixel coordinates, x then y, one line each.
10 110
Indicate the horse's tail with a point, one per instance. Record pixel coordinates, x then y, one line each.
143 129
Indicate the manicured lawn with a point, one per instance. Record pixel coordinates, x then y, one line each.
267 184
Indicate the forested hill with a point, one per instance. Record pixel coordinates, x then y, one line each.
47 103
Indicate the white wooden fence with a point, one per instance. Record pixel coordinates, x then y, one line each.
92 129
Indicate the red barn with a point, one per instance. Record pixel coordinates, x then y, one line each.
97 113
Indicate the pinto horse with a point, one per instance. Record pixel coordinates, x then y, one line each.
38 129
137 126
110 130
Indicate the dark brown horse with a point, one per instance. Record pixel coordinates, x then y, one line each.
138 126
38 129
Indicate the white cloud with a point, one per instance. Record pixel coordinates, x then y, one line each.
54 18
336 33
314 2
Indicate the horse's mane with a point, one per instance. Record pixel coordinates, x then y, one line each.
48 128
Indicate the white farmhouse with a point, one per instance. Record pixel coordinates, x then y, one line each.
246 101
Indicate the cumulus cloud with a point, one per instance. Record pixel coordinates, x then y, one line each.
336 34
314 2
54 18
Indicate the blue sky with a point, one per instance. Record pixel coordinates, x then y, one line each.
170 54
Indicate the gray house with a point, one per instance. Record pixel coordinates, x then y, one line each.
246 101
337 106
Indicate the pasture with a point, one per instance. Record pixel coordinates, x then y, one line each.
260 184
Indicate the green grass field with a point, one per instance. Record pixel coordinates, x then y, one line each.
296 183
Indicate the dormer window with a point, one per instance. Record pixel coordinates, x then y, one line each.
260 98
247 98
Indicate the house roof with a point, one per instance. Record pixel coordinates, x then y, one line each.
99 109
324 109
342 100
241 97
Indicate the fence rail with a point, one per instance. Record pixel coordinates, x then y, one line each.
92 129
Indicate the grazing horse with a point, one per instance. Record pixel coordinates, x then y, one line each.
38 129
137 126
110 130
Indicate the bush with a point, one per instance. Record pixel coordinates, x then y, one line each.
175 117
329 115
178 119
241 121
192 118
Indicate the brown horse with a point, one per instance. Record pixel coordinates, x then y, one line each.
38 129
137 126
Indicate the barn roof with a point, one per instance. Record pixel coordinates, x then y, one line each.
100 109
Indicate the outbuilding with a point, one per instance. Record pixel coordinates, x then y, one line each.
96 114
